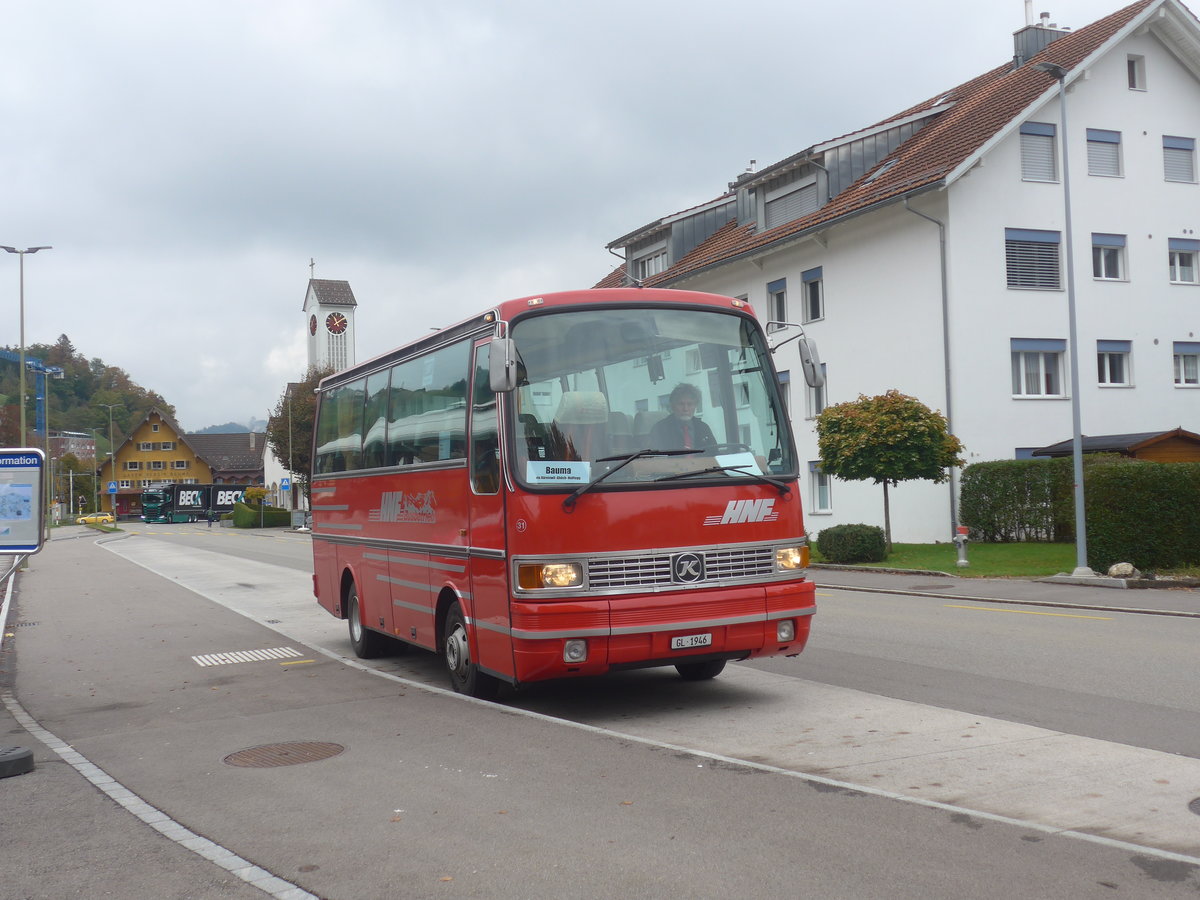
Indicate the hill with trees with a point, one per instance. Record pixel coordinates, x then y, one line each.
78 400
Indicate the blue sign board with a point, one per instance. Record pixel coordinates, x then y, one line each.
112 487
22 500
285 484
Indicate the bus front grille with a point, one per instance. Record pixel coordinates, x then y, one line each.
654 570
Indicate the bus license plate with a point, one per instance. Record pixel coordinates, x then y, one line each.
687 641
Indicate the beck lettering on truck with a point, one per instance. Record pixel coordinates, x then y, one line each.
189 498
228 498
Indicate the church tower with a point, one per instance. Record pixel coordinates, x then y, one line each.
329 320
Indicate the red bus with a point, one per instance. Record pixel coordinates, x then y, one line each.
526 494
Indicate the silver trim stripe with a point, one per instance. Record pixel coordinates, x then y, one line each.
239 656
526 635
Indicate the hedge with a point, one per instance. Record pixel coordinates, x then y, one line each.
1140 512
246 516
1145 513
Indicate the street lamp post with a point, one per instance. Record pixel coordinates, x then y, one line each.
95 479
21 256
1081 565
112 456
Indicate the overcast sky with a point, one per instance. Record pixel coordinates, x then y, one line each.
187 160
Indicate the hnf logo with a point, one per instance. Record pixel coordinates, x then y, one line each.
739 511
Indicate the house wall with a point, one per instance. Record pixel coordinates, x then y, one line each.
883 320
131 482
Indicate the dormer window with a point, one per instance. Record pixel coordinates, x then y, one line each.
653 264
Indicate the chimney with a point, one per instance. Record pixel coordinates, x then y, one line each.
1033 39
251 440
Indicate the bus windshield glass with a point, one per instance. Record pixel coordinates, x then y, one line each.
691 391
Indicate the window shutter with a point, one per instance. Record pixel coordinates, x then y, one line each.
792 206
1037 152
1179 159
1032 259
1104 152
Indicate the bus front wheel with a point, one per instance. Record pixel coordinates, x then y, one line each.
701 671
465 676
367 644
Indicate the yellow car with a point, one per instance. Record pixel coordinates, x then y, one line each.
98 518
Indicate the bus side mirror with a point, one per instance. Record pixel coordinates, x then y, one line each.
502 365
810 362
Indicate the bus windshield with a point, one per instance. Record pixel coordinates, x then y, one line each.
690 391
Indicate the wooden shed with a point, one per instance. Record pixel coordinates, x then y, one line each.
1176 445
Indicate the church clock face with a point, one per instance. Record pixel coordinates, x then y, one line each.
312 324
336 323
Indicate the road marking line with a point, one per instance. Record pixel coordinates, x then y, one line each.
1029 612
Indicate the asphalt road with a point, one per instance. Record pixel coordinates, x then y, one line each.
657 788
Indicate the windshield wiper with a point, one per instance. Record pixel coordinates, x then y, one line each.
779 484
568 503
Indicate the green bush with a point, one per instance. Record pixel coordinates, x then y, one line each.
852 544
1018 500
246 516
1143 513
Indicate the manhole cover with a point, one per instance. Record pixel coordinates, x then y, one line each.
1194 806
291 753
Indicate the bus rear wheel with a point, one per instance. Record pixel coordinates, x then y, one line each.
367 644
700 671
465 676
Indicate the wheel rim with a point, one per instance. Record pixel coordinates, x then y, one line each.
458 654
356 629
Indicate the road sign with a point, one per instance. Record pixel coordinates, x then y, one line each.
285 484
112 487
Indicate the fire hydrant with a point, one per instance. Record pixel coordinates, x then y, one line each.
960 541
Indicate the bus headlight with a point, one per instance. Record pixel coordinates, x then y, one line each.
537 576
790 558
785 631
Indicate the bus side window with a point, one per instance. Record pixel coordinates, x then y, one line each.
485 442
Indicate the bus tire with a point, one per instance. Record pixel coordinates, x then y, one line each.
700 671
367 644
465 676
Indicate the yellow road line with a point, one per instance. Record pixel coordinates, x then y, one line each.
297 662
1027 612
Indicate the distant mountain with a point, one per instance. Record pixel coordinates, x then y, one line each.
258 425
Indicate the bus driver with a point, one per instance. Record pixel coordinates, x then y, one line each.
681 429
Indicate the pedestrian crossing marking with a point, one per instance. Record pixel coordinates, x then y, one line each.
239 656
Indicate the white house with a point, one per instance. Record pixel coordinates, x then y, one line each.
927 253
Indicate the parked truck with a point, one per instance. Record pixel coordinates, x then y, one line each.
189 502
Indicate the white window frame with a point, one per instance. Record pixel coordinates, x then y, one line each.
1108 257
1135 67
777 306
1182 257
1032 259
1039 152
1113 363
1179 159
1186 363
814 294
145 446
125 484
816 398
1037 368
180 464
820 489
132 465
650 265
1104 153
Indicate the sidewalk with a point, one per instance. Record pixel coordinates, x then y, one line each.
1106 594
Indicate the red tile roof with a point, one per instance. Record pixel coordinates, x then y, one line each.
980 108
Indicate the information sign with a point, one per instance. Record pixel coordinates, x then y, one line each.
22 510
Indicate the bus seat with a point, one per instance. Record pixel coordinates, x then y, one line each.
643 422
620 433
581 419
535 435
